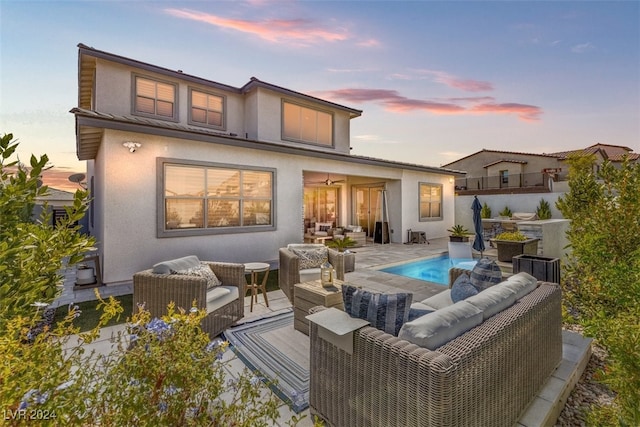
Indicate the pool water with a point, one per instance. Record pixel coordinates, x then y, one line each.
434 270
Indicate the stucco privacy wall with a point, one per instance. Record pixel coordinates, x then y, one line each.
127 237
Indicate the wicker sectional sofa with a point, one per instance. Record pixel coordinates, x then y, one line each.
485 377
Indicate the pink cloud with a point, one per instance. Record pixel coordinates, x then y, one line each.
528 113
468 85
299 31
393 101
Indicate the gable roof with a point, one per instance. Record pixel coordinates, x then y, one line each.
614 153
522 162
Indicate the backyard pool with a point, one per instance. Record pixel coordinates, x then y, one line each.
434 270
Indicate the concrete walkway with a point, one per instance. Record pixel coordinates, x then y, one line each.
543 411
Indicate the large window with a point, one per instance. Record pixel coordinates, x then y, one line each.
206 109
430 201
206 199
154 98
304 124
321 205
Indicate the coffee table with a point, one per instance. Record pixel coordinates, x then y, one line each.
311 294
254 268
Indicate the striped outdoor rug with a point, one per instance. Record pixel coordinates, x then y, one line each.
279 352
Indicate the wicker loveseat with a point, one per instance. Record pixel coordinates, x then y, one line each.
224 303
485 377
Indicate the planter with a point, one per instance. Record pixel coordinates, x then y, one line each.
458 238
507 249
542 268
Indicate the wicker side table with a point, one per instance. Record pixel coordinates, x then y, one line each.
312 294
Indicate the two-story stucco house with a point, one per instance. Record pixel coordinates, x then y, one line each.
181 165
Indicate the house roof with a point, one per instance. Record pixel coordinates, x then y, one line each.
614 153
90 125
53 194
523 162
86 65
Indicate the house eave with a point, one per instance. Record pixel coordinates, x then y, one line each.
90 125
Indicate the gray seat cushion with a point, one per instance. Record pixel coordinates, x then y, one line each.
440 300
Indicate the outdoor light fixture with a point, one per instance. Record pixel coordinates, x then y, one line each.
132 146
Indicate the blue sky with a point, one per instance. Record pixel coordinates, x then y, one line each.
436 80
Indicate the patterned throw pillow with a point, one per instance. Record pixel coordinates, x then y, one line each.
202 270
414 313
387 312
311 258
486 273
462 289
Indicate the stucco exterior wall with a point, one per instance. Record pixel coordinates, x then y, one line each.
127 231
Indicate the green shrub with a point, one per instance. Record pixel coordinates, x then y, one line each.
505 212
514 236
601 281
172 375
485 212
543 211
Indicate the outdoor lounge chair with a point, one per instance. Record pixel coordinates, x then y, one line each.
293 270
224 303
460 255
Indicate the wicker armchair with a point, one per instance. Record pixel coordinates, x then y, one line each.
485 377
156 291
289 270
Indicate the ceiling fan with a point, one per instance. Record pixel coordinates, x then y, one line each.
329 181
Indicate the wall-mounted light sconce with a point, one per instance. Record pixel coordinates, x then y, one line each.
132 146
451 180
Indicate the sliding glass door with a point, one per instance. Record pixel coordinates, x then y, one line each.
366 206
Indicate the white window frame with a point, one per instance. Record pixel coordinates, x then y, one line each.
420 201
134 98
223 113
164 231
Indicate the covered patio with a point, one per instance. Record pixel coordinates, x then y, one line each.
545 408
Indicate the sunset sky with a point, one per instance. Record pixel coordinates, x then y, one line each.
436 80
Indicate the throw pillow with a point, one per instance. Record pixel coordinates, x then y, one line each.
311 258
462 289
166 267
414 313
387 312
486 273
202 270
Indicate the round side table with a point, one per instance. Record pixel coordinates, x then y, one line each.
254 268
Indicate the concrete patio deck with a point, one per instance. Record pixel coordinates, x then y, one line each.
543 410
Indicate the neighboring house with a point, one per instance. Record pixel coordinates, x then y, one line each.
507 172
181 165
56 201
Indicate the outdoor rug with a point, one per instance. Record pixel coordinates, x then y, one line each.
273 347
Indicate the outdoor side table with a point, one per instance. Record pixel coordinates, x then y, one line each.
311 294
254 268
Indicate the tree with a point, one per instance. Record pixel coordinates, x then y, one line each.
602 276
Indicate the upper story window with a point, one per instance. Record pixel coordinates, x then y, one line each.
305 124
430 203
155 98
206 109
199 198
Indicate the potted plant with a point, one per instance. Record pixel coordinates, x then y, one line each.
343 245
513 243
458 233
